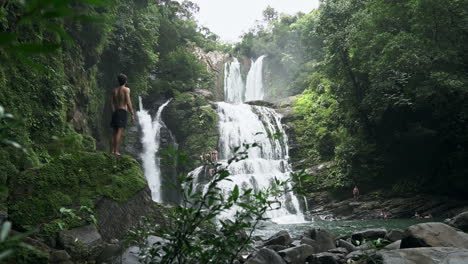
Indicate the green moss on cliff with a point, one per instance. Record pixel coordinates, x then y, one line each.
195 124
72 179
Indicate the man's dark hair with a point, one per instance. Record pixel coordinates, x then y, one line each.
122 78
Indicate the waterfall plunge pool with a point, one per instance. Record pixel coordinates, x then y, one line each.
338 228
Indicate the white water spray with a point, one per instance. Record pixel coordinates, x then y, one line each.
254 85
150 140
233 84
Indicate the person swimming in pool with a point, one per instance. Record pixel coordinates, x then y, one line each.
120 103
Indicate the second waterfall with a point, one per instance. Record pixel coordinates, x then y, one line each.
241 123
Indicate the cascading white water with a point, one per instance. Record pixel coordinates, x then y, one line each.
151 141
242 123
254 85
233 84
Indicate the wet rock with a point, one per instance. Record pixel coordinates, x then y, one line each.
433 235
296 243
339 251
83 242
345 244
59 256
265 256
394 245
460 221
324 258
260 103
297 255
435 255
109 252
395 235
322 240
355 255
276 247
370 234
130 256
281 238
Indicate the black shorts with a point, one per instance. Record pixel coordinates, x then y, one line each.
119 118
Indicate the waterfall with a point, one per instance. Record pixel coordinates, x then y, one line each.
242 123
151 141
254 85
233 84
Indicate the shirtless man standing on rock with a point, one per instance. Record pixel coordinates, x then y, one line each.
120 102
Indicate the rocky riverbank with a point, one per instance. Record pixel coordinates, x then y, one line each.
425 243
322 205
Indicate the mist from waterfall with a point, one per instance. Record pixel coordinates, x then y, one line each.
151 140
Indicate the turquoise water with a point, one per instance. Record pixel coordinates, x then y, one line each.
339 228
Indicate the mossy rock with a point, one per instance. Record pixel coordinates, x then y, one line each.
194 122
79 178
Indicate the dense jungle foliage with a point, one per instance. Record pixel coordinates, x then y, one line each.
59 63
60 59
385 90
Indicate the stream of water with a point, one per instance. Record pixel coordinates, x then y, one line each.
150 140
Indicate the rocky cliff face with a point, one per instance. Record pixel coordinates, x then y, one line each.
214 61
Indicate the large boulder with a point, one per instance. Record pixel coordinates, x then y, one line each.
78 178
460 221
320 239
433 235
281 238
115 218
435 255
297 255
83 242
265 256
395 235
370 234
345 244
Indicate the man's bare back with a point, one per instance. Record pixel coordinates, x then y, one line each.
120 103
121 98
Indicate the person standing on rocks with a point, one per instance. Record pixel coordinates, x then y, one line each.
120 103
214 155
355 192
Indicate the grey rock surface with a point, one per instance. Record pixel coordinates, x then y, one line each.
83 242
435 255
320 239
281 238
265 256
460 221
395 235
297 255
433 235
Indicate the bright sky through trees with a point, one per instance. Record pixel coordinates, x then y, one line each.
230 18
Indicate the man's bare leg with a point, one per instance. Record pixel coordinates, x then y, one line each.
112 141
118 139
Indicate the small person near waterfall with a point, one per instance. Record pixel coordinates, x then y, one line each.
214 155
120 103
356 192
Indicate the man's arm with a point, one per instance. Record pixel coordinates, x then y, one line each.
129 104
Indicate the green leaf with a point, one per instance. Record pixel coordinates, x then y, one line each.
6 228
235 193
